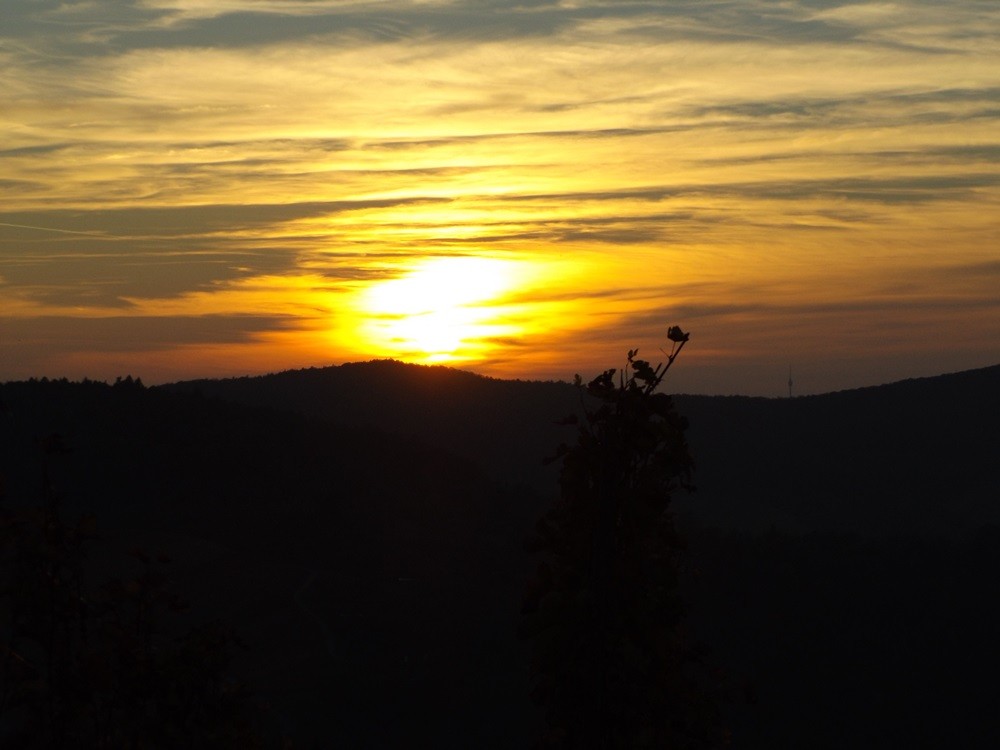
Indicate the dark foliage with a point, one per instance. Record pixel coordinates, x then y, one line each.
99 665
612 666
373 578
375 571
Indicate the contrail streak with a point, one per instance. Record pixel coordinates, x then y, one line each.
51 229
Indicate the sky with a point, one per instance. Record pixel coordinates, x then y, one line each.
526 189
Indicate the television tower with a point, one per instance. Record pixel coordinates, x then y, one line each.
789 381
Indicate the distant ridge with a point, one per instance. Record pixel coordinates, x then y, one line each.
506 425
411 373
913 456
907 457
975 378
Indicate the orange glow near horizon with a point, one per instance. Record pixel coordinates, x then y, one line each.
524 190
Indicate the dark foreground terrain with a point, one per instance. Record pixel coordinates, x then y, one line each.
361 528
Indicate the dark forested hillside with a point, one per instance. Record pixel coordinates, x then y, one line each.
361 527
506 426
374 579
913 457
909 457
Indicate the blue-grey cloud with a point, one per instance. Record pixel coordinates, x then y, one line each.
168 221
133 25
131 332
887 190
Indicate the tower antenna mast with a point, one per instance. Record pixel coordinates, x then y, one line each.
789 381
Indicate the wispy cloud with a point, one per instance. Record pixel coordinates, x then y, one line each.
780 162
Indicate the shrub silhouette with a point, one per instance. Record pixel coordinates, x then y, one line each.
86 666
610 664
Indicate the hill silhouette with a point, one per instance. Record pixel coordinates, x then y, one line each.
360 567
910 457
507 426
361 526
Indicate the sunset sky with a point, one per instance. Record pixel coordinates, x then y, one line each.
195 188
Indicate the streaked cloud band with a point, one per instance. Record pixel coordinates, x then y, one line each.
162 157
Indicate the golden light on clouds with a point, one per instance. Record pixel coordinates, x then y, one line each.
525 189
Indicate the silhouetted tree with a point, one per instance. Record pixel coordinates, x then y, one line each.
97 666
610 663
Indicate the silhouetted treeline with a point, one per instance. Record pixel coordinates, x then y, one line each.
506 426
362 528
370 575
912 457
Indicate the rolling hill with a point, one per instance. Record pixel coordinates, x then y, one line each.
362 526
912 457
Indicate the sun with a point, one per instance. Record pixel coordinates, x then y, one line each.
444 309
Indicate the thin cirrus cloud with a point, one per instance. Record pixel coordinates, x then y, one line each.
767 174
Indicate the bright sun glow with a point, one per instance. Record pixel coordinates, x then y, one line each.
442 310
